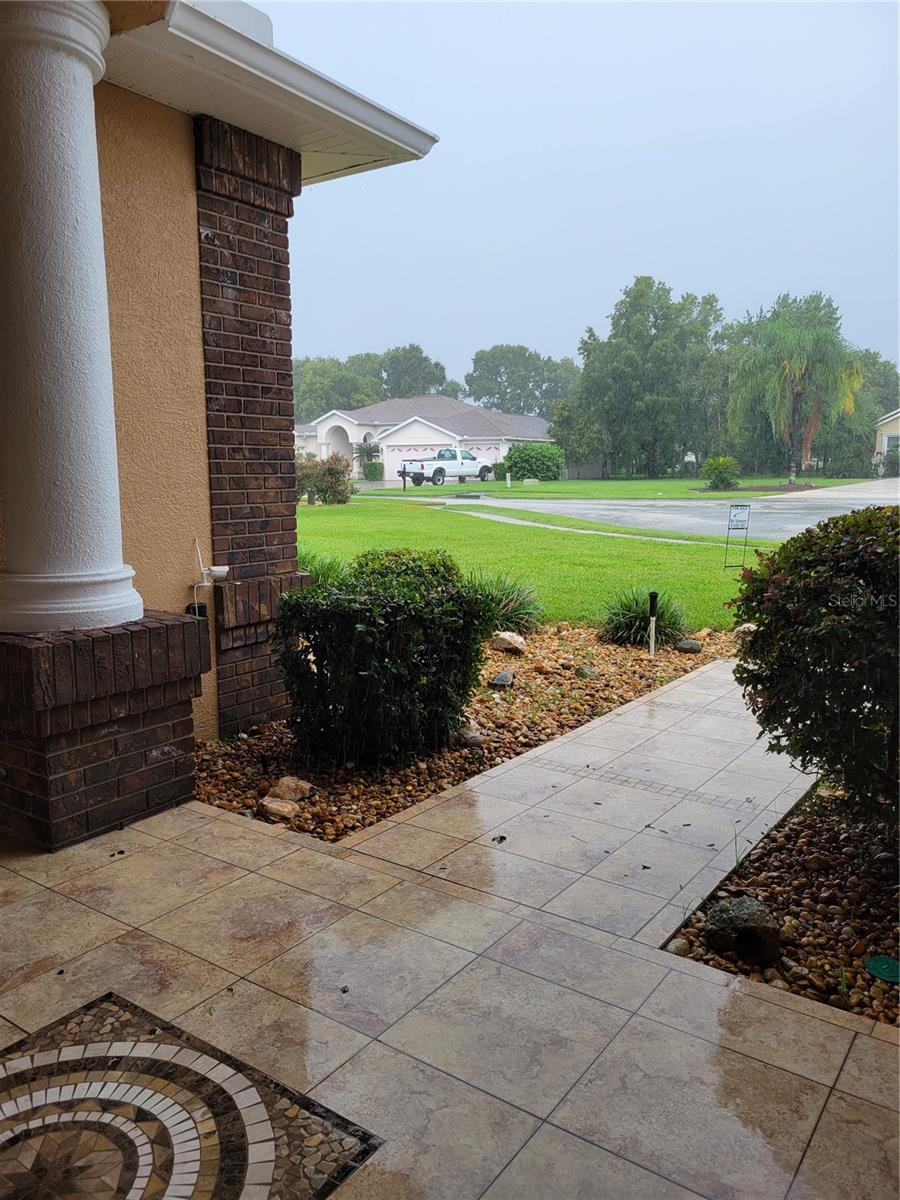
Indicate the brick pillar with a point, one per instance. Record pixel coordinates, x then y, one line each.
95 725
245 190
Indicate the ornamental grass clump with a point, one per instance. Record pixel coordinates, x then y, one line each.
508 603
626 619
380 665
820 669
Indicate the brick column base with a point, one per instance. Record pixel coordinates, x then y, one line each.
251 685
96 727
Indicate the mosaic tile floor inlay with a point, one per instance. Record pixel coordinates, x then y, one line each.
112 1103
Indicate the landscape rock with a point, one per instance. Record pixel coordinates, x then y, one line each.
289 787
282 810
679 946
512 643
747 627
531 482
689 646
470 736
504 679
586 671
702 634
745 927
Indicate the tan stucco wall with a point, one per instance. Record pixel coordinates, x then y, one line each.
885 430
152 267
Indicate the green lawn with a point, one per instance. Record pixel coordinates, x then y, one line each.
571 574
613 489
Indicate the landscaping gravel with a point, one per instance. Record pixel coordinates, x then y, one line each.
549 696
830 879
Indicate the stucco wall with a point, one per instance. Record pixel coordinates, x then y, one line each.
152 266
889 429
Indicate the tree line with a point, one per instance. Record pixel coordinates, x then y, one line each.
671 384
674 383
506 378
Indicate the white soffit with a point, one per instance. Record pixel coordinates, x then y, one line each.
196 62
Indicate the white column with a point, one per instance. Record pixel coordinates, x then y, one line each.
59 482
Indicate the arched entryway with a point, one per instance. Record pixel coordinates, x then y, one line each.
337 441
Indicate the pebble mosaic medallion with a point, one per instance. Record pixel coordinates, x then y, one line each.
111 1103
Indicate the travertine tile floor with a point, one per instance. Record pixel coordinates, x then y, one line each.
477 980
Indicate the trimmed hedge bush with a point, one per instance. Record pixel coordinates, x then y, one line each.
373 470
626 619
821 669
532 460
380 666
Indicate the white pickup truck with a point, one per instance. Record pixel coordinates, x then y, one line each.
447 464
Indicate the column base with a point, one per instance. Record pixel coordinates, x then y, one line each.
95 726
38 603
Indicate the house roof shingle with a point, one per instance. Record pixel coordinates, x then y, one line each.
457 417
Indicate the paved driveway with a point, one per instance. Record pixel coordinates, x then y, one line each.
770 516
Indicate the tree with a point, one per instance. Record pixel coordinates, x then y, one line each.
408 371
321 384
797 368
641 401
515 379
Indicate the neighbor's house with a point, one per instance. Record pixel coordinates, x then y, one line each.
151 155
887 432
417 427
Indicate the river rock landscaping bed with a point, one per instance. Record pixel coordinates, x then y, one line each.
563 678
830 880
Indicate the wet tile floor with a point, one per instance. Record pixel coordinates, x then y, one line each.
477 981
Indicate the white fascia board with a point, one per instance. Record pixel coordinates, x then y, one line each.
422 421
194 62
334 412
887 417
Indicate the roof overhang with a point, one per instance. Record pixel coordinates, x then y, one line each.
336 412
194 61
888 417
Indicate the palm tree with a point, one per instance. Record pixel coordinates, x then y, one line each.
365 452
797 364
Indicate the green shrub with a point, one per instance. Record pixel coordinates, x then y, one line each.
380 666
626 618
324 568
307 474
412 572
532 460
373 470
325 479
334 485
892 464
508 603
721 470
821 669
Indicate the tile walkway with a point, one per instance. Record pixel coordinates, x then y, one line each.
478 981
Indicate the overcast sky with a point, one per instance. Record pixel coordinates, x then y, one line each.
742 149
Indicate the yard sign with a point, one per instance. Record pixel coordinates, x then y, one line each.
738 522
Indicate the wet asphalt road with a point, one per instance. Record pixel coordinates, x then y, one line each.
770 516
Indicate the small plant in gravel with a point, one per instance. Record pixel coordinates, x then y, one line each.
820 669
626 619
721 472
509 603
379 666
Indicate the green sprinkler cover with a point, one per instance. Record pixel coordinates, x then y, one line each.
883 967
